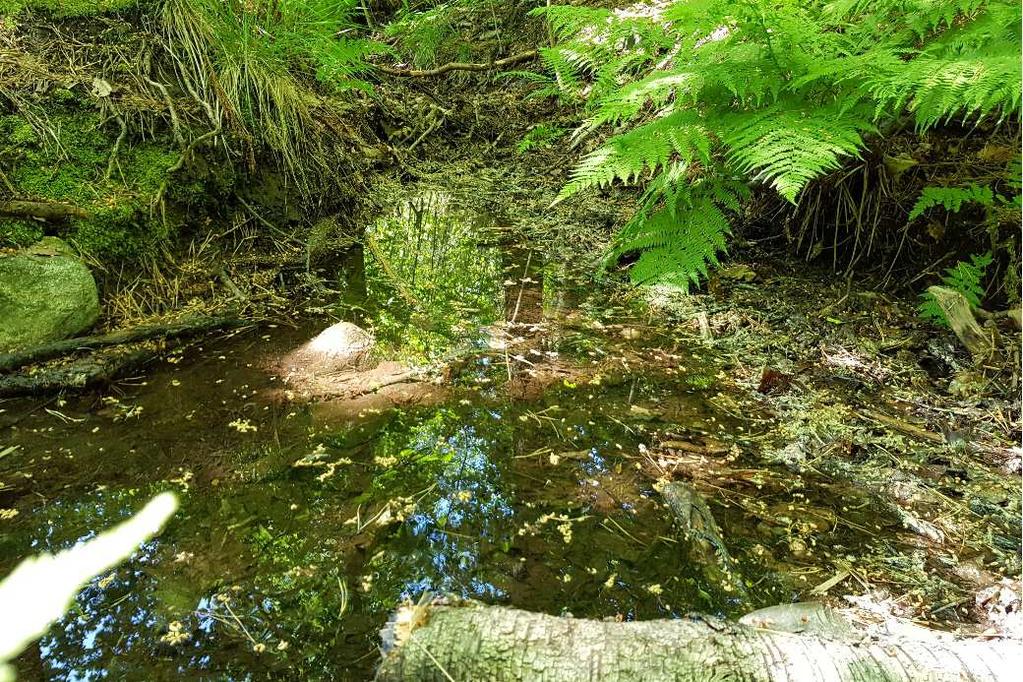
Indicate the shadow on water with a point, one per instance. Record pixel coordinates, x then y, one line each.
297 535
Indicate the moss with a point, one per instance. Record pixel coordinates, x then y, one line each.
67 8
19 233
145 167
16 130
113 238
64 95
122 226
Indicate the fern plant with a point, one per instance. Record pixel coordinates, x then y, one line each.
698 96
964 277
541 135
430 32
422 33
951 199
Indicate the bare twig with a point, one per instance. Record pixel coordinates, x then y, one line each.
117 147
461 66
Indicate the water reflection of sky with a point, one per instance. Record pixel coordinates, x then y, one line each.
469 507
595 463
472 497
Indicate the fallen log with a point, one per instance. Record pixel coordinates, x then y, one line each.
53 211
126 352
9 361
75 376
475 642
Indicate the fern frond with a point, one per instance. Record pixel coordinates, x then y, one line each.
677 247
745 72
567 65
643 149
790 146
787 89
542 135
998 22
566 21
936 89
920 16
340 63
964 277
951 198
656 89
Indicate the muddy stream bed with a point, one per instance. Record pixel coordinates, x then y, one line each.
522 473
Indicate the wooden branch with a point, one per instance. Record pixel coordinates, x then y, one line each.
903 426
198 325
53 211
461 66
960 317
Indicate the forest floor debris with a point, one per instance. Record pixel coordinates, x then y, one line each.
866 395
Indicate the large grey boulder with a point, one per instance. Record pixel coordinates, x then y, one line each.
46 294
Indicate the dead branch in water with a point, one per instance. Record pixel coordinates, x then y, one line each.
17 359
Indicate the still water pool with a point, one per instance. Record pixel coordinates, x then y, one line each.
529 481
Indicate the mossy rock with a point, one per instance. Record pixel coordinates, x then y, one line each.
46 294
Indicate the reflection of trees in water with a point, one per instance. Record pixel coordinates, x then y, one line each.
523 291
352 277
429 274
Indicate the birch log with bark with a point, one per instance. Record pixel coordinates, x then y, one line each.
476 642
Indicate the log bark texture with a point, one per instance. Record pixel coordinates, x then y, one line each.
184 328
82 374
476 642
960 317
53 211
124 352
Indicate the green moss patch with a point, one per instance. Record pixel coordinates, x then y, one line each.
69 162
67 8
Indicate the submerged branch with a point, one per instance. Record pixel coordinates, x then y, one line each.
11 361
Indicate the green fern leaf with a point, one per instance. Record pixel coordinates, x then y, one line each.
951 198
643 149
789 147
677 247
964 277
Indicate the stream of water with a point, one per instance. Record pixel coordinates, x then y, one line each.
303 524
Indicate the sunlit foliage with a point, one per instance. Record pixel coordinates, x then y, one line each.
249 63
698 95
